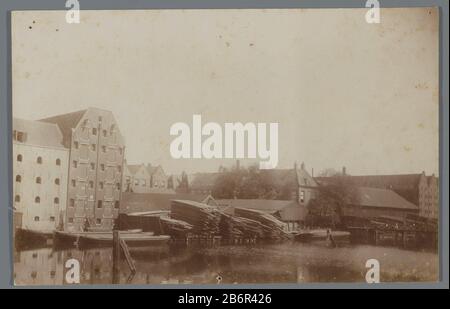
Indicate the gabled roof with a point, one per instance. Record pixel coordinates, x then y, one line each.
139 202
384 198
153 169
304 179
39 133
134 168
405 185
66 122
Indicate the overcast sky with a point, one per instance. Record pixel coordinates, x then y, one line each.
343 91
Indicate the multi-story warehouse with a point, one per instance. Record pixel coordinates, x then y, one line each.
95 164
40 165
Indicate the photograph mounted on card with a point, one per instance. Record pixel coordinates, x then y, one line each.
228 146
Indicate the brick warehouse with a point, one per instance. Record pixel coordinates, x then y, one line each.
96 155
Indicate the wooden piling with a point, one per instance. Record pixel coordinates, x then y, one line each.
116 257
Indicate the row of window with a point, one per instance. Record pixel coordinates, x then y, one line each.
93 147
99 204
37 219
38 180
37 199
101 185
38 160
98 221
92 166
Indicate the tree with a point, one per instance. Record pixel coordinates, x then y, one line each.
170 182
183 184
326 208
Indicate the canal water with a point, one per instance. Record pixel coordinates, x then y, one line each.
265 263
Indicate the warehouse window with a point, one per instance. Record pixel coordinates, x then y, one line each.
18 178
17 198
118 186
116 204
93 147
92 166
91 184
100 184
103 149
99 204
98 221
58 162
76 145
19 158
36 219
102 167
37 199
39 160
52 219
71 202
56 200
94 131
57 181
70 220
38 180
105 133
74 164
73 182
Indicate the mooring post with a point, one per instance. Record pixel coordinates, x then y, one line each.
116 256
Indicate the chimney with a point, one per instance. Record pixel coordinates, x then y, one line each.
344 171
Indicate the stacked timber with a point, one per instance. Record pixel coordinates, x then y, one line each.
272 228
238 227
204 219
175 228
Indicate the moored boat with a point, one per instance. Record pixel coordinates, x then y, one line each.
132 240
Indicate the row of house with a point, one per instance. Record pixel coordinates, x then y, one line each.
145 178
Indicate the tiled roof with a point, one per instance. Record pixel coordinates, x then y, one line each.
405 185
374 197
39 133
66 122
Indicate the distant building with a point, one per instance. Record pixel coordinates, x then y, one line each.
136 178
40 164
141 178
374 202
158 178
96 152
419 189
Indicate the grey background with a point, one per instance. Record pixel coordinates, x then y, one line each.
5 120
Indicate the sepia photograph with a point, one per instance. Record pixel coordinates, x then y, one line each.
225 146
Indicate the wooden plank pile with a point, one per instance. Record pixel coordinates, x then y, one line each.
204 219
175 228
232 227
272 228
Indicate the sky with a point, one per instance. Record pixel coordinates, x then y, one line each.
344 92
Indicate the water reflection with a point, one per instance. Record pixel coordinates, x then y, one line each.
281 263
